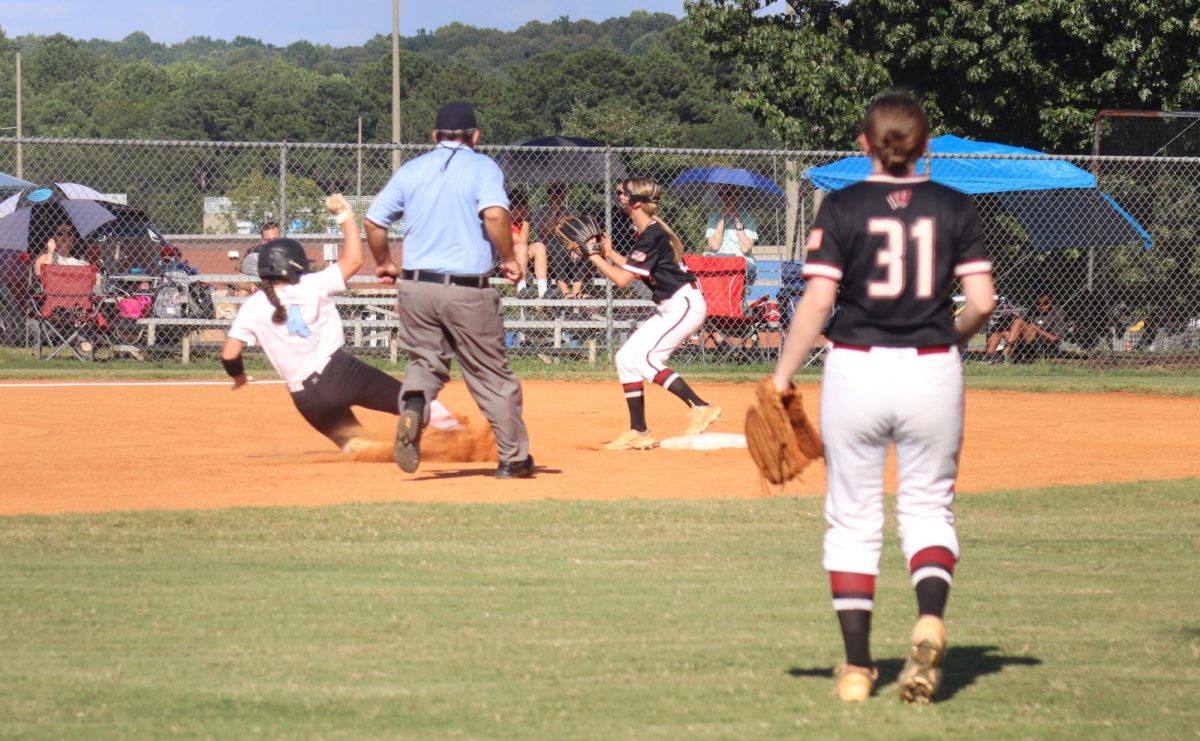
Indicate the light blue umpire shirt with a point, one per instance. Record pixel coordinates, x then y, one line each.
441 195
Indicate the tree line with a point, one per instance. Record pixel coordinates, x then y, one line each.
632 81
730 74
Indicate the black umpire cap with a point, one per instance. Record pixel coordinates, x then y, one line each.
456 116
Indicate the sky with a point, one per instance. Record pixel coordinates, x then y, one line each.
280 22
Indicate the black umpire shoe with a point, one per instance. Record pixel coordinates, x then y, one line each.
516 470
407 451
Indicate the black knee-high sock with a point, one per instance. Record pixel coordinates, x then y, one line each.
635 398
932 571
854 601
673 382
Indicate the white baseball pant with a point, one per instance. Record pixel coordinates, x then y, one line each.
870 399
644 355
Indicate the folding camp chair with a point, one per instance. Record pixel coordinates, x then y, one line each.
723 282
67 310
791 287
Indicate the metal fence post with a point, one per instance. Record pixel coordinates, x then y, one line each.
283 187
608 285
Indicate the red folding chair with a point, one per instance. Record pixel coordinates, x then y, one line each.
722 280
67 310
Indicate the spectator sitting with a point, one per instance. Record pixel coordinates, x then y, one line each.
269 231
560 266
732 231
525 251
999 327
1039 333
59 247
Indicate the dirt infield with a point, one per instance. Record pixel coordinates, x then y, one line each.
106 448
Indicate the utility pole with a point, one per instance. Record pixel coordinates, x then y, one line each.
20 130
395 83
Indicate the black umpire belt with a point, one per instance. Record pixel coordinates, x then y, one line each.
446 279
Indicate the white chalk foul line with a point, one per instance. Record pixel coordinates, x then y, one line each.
70 384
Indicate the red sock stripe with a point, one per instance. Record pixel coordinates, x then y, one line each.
844 582
663 375
633 386
936 556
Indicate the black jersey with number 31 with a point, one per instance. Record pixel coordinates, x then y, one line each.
896 245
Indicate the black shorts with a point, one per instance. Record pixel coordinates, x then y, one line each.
346 381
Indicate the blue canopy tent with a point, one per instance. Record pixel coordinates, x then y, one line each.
1055 202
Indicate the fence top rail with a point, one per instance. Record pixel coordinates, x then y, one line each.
488 148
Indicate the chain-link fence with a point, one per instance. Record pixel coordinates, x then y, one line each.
1101 250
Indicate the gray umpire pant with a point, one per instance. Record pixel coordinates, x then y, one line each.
438 322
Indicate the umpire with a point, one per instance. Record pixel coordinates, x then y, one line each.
455 220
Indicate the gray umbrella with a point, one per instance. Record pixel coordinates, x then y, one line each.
84 207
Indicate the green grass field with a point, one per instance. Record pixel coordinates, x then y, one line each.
20 365
1075 613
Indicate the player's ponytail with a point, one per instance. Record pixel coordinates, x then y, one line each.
647 192
897 130
280 315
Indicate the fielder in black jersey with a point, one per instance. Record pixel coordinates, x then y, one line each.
653 260
895 244
657 259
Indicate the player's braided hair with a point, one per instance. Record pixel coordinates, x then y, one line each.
280 315
897 129
647 192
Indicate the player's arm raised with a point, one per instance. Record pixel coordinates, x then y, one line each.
350 259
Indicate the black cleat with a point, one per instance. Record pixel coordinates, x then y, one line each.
407 451
516 469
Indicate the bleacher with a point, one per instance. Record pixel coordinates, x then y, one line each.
369 317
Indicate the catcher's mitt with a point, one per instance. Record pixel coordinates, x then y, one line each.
781 438
580 233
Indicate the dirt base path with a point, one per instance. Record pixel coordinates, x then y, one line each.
105 448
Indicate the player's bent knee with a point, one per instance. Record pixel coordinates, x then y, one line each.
628 366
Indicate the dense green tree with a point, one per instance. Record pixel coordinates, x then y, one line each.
58 59
256 198
530 82
619 124
1031 73
302 54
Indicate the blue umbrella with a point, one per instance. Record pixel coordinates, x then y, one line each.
700 185
1056 202
84 207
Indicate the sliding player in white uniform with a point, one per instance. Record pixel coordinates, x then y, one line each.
896 244
656 259
295 320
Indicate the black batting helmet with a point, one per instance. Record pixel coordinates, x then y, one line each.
282 259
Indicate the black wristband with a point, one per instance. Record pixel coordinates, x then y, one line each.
234 367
